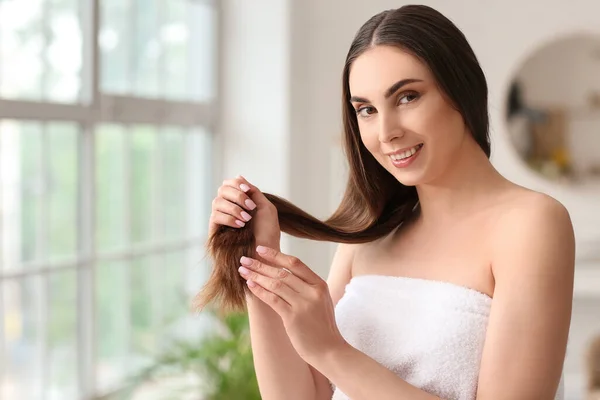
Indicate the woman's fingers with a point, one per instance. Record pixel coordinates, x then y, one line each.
297 267
236 196
219 218
259 198
273 285
284 275
228 208
274 301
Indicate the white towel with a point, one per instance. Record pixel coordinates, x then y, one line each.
429 333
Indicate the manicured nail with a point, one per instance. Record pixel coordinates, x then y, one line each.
261 250
244 187
246 216
250 204
246 261
240 223
250 283
243 271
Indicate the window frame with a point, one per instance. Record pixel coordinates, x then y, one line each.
94 108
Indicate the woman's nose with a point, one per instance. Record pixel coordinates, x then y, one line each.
389 128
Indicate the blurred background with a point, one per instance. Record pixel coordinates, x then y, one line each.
120 118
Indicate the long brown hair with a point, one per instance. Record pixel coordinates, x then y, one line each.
374 202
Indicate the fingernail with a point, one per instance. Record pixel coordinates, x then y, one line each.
261 250
240 223
245 260
251 205
243 271
246 216
244 187
250 283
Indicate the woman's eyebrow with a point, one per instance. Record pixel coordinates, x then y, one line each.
391 90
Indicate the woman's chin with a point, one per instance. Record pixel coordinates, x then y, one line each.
412 178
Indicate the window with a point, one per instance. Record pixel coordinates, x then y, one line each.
106 136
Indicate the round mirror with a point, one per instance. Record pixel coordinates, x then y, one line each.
553 110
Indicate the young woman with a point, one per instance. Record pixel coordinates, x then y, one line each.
450 281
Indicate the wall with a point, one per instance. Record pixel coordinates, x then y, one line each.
255 93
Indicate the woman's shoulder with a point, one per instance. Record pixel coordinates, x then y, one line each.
526 214
521 204
375 245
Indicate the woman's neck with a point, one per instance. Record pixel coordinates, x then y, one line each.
472 182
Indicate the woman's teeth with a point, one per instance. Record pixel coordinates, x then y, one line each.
406 154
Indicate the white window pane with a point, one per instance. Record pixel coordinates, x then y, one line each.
144 326
161 175
64 51
62 336
21 49
146 49
115 41
112 319
61 191
172 277
139 304
142 153
23 340
173 188
159 49
40 49
200 162
32 191
20 165
10 196
175 38
39 190
111 188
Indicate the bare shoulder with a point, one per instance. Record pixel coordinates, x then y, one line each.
369 250
340 272
345 261
533 224
531 212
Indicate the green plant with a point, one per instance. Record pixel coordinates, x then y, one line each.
220 363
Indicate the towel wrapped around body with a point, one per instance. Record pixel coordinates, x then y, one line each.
429 333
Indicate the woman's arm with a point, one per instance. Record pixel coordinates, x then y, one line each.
531 312
339 276
280 371
529 322
362 378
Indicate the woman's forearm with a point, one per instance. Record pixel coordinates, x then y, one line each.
362 378
280 371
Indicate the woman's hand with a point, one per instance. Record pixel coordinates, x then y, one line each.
299 296
235 199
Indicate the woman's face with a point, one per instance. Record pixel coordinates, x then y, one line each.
404 119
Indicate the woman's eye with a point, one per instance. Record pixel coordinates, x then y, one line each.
365 112
407 98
